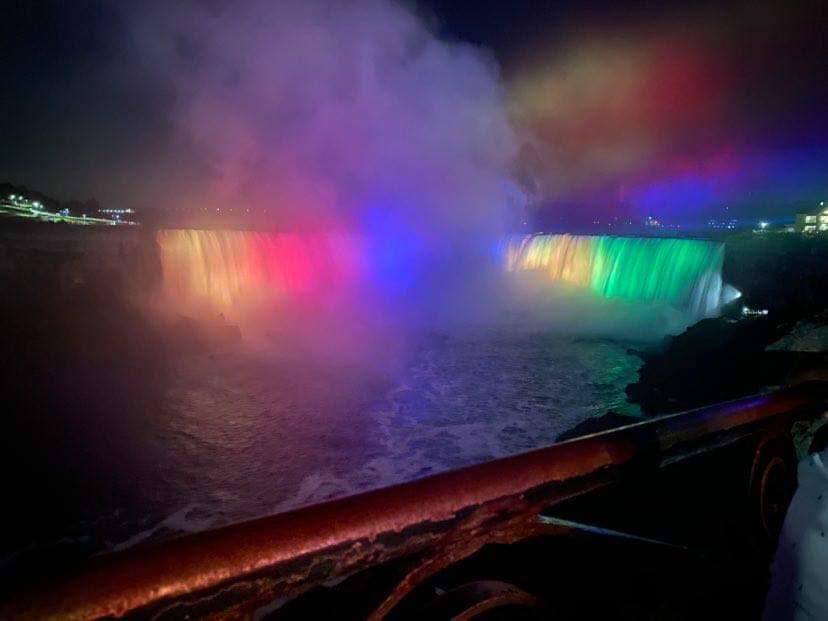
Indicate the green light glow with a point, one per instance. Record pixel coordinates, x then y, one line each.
684 273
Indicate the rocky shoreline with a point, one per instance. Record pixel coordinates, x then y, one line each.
738 354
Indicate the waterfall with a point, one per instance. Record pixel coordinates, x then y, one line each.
223 270
684 273
220 271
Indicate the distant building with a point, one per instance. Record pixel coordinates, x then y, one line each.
813 222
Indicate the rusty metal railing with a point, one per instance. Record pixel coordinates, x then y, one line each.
234 570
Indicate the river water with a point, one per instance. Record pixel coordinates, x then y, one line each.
250 430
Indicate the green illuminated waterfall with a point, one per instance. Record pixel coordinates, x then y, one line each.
684 273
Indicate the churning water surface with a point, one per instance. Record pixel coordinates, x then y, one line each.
249 431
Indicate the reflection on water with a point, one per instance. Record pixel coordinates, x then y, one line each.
250 431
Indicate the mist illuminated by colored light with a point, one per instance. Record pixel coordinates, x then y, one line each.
667 115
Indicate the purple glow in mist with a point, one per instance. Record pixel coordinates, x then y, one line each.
322 111
348 116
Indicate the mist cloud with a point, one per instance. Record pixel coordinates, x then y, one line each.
325 112
353 117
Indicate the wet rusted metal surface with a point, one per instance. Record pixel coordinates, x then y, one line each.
232 571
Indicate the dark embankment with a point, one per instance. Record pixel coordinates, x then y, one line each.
728 357
73 343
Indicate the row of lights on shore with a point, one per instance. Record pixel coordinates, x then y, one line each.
36 206
19 198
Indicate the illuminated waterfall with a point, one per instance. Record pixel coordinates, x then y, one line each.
684 273
220 270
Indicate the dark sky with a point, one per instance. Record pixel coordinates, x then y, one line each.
79 116
621 108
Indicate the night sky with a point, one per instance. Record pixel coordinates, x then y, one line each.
621 110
